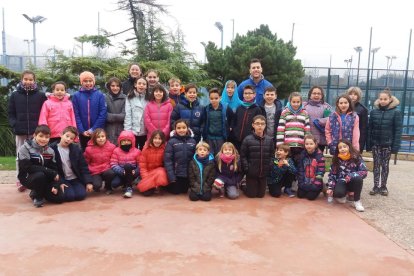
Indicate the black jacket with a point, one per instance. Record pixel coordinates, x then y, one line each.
362 112
201 182
256 154
242 120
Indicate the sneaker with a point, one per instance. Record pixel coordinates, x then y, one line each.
384 191
341 200
38 202
32 194
109 192
350 198
20 187
374 191
330 199
289 192
128 193
358 206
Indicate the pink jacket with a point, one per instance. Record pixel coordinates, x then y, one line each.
99 158
157 116
57 114
120 157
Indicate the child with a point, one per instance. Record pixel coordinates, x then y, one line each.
90 108
201 173
175 91
311 170
230 95
157 113
134 72
72 167
189 109
124 162
342 124
355 93
283 172
256 153
216 127
273 109
57 112
115 104
37 168
346 174
384 137
178 153
134 112
228 169
152 79
243 119
293 126
153 174
24 108
98 156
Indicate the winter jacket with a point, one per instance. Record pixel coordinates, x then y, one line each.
90 109
157 117
115 116
57 114
227 173
318 117
385 126
151 167
178 153
134 115
24 110
362 113
201 177
293 127
99 158
77 161
277 172
234 102
191 112
336 129
278 112
256 154
128 85
243 119
347 170
119 157
259 87
311 170
225 118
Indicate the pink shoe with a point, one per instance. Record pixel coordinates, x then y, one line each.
20 187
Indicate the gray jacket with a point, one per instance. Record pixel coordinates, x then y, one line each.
115 116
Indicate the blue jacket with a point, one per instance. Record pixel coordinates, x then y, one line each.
259 87
311 169
277 172
226 117
90 109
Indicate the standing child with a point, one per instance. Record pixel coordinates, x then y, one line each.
230 95
273 109
201 173
115 103
256 153
384 137
228 171
24 108
72 167
355 93
311 170
134 72
157 113
153 174
124 162
134 112
57 112
152 80
346 174
98 156
175 91
90 108
283 172
178 153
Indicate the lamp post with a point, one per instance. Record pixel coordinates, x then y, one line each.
358 49
34 20
28 48
373 51
389 63
220 27
205 54
348 66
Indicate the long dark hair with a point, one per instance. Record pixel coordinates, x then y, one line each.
355 155
131 93
160 88
154 134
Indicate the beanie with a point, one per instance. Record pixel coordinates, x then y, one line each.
86 75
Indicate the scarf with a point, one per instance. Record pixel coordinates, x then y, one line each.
248 104
203 160
314 103
28 87
227 158
345 156
113 94
292 110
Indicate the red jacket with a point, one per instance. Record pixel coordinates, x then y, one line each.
98 158
151 164
157 117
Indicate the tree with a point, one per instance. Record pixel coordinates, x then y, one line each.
98 41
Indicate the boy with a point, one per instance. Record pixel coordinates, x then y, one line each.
72 167
283 172
256 152
201 173
24 108
37 168
190 110
273 108
175 91
216 124
243 119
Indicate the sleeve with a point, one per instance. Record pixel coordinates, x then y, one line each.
167 128
307 125
44 114
143 164
192 178
397 131
169 162
363 124
115 164
356 134
147 119
301 173
229 116
175 115
361 170
128 116
291 167
320 170
87 155
100 121
280 136
328 131
12 110
244 155
369 132
332 178
76 109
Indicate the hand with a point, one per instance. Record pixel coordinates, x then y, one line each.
133 172
56 178
285 162
86 133
63 186
89 187
54 191
329 192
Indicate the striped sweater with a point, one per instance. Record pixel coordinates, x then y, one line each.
293 126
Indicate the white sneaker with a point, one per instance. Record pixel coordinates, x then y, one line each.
358 206
128 193
341 200
330 199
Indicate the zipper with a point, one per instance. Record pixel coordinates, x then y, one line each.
27 113
243 122
261 157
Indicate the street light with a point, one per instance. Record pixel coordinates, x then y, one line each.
389 63
34 20
358 49
220 27
28 48
373 51
348 62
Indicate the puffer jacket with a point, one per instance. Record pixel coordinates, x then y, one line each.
152 172
120 158
311 170
320 112
362 113
277 172
115 116
256 154
385 126
134 115
57 114
193 113
157 117
99 158
336 129
347 170
243 119
201 176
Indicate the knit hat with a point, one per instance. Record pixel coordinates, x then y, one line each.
86 75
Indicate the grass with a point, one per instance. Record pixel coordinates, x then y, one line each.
7 163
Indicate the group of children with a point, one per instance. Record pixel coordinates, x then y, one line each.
147 137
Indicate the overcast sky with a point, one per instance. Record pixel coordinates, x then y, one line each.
324 30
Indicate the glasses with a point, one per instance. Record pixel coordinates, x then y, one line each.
248 93
316 93
259 124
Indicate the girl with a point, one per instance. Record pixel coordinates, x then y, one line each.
178 153
134 72
57 111
346 174
134 112
151 161
228 171
157 113
342 124
311 170
115 104
229 97
384 137
175 91
293 126
355 94
98 156
152 79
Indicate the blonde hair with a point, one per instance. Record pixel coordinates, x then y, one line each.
235 152
355 90
203 144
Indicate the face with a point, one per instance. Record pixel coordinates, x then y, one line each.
310 145
101 139
152 78
316 94
28 79
191 94
158 94
66 139
256 70
259 126
157 141
175 88
269 97
115 87
384 99
230 90
343 105
87 83
135 71
214 99
141 85
41 139
59 91
354 97
295 102
202 152
227 151
181 129
125 142
248 95
281 154
343 148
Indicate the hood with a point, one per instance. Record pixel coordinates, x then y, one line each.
52 97
210 157
189 134
393 104
21 89
184 101
126 135
235 101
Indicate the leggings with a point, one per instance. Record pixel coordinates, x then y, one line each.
381 157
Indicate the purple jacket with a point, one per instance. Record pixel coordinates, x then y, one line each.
227 173
316 111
